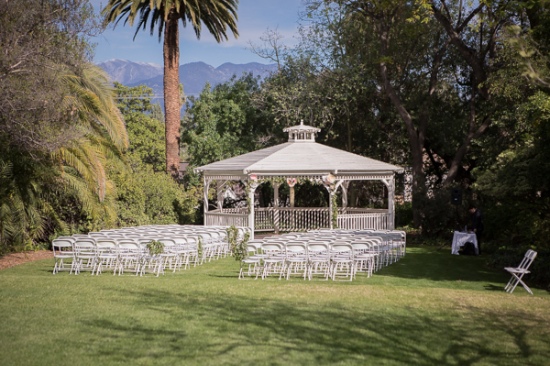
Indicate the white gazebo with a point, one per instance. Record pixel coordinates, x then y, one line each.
291 163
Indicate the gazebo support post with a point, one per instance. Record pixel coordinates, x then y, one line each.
291 183
251 190
220 193
345 186
390 184
331 192
207 182
276 207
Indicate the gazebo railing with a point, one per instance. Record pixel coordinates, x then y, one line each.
291 219
238 217
301 218
373 220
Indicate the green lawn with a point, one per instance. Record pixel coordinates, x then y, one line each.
431 308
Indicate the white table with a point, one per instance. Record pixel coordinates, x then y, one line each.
460 238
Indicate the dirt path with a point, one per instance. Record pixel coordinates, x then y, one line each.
14 259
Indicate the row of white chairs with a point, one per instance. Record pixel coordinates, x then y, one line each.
390 245
125 250
335 261
335 255
98 255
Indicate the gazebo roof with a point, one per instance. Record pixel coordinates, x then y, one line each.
300 156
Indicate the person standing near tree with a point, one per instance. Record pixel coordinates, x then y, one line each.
476 224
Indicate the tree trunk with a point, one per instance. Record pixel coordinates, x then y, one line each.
416 143
416 135
172 106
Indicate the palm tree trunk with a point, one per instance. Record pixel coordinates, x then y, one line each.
172 106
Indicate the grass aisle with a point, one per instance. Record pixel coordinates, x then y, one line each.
431 308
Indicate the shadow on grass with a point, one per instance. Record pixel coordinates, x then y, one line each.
440 265
201 328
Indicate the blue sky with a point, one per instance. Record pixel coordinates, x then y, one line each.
255 17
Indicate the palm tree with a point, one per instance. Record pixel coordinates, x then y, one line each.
216 15
31 184
102 134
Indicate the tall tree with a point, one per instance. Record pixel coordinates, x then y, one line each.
58 121
144 124
436 61
223 122
164 15
37 40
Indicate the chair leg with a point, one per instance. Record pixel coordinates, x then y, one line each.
510 284
514 281
526 287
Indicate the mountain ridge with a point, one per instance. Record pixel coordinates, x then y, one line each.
194 75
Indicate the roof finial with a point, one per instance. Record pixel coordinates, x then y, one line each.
301 122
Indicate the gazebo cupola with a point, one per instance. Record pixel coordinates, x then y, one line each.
301 133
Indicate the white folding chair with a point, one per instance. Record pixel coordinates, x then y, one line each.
183 252
364 258
85 255
318 259
274 260
209 248
295 260
63 253
169 258
519 271
129 257
376 248
342 263
193 247
107 255
252 263
155 263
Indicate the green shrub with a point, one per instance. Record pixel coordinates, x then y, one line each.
148 197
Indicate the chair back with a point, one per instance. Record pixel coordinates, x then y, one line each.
361 246
318 249
84 244
342 250
293 249
85 248
64 246
272 248
128 249
106 245
251 249
529 257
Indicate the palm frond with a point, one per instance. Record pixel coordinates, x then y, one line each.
217 15
21 215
